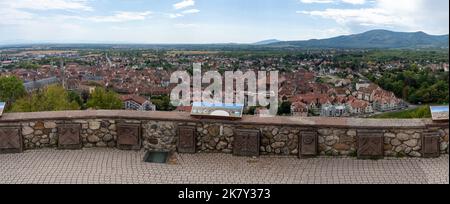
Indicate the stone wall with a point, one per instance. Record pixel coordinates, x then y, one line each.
159 135
278 136
98 133
44 134
219 137
397 142
40 134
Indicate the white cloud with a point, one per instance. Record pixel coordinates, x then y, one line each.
370 16
183 13
191 11
431 16
122 16
189 25
48 4
184 4
14 16
16 12
333 1
317 1
175 15
354 1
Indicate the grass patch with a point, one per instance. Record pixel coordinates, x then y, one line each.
401 155
353 153
420 112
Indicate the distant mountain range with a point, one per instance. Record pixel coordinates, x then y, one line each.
267 42
373 39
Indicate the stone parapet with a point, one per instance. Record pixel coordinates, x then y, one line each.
278 135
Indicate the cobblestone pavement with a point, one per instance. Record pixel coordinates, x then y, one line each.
115 166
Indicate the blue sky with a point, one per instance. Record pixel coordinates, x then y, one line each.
211 21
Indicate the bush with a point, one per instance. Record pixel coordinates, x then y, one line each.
106 100
51 98
11 88
421 112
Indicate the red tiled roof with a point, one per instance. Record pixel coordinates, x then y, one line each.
184 109
355 103
299 107
135 98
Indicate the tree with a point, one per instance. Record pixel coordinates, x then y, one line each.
85 96
162 103
28 65
102 99
11 88
51 98
75 97
285 108
251 110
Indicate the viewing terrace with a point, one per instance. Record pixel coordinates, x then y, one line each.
110 146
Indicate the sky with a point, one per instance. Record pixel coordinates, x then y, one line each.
211 21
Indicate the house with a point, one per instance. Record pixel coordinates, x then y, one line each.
334 111
362 85
327 111
186 109
39 84
388 104
366 93
386 101
358 107
313 101
299 109
134 102
342 92
262 112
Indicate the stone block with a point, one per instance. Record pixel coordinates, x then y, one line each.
370 144
129 136
430 144
247 142
10 140
308 143
69 136
187 139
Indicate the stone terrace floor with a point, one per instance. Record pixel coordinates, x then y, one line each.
117 167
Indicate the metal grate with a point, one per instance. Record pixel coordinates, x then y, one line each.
156 157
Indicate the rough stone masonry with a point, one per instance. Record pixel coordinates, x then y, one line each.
279 135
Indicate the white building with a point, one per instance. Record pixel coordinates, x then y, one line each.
134 102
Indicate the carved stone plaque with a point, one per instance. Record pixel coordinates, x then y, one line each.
128 136
187 139
10 140
308 143
69 136
246 143
370 144
430 144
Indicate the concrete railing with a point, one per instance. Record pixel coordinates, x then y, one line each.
251 136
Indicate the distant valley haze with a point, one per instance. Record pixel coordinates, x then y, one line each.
366 40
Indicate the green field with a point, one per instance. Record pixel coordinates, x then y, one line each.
420 112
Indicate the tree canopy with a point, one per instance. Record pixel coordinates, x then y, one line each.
103 99
162 103
416 86
11 88
284 108
51 98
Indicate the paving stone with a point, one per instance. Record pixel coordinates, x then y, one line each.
112 166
